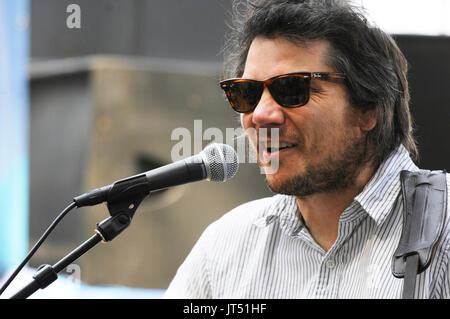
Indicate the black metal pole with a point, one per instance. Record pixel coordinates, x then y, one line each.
48 274
77 252
121 211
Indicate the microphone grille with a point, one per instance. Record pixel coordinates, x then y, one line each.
221 161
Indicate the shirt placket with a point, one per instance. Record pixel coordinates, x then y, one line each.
330 270
322 285
329 275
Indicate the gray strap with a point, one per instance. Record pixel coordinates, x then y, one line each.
425 204
412 266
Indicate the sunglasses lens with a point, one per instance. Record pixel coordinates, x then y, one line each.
243 95
290 91
287 90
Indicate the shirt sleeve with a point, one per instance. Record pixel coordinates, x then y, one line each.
443 279
442 284
446 283
192 280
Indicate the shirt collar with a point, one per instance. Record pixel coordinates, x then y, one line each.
377 198
380 193
283 209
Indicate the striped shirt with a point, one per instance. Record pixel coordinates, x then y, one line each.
262 250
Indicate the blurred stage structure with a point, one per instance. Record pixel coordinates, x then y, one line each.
98 119
105 100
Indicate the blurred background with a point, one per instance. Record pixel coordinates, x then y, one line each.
85 102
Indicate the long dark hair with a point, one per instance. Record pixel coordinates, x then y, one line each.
375 67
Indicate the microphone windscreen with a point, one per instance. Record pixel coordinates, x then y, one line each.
221 161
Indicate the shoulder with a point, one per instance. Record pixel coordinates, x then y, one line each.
244 219
441 262
448 186
446 230
443 247
252 212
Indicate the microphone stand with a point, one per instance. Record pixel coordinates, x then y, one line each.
122 207
47 274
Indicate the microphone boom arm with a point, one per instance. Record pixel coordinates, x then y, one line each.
127 196
123 197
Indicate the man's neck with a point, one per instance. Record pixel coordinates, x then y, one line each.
321 211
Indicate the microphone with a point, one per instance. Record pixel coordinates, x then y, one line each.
216 163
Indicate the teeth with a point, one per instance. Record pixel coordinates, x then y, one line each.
286 145
280 145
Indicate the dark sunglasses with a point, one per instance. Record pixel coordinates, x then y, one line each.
289 90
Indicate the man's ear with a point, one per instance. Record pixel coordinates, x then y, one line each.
367 120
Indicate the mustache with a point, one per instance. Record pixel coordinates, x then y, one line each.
258 137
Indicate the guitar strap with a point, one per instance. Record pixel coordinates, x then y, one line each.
425 206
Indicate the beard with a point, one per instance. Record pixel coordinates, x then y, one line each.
335 172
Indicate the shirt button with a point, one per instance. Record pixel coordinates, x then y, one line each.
330 264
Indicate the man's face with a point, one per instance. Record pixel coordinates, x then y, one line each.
328 142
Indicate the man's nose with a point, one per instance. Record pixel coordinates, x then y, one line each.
268 112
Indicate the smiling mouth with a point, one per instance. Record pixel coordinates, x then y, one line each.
283 146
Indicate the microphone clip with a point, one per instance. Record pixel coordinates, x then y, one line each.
124 198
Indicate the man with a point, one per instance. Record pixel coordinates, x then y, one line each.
336 90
